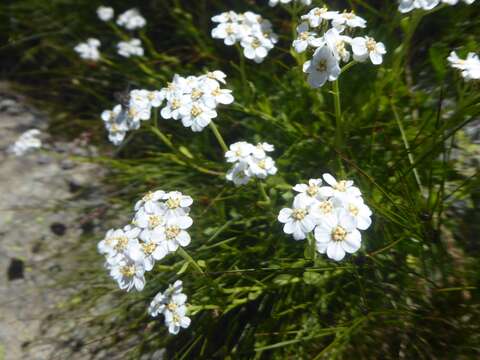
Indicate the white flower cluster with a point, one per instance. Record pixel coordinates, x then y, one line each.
171 304
254 33
470 67
129 48
123 118
105 13
331 48
89 50
276 2
26 142
194 99
405 6
158 228
334 212
131 20
249 161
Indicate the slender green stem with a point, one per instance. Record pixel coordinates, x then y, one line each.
339 131
181 251
218 136
263 192
407 147
243 73
338 115
312 246
164 138
187 161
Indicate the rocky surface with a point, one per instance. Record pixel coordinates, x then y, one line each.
43 199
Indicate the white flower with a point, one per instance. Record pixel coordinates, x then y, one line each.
130 48
298 220
306 38
261 168
260 150
175 107
229 32
311 192
253 33
158 303
172 235
337 44
239 151
337 235
238 174
146 251
408 5
26 142
316 16
117 241
176 204
131 20
470 67
339 189
116 123
89 49
256 48
150 201
249 161
149 220
364 47
171 304
128 273
197 116
356 208
105 13
323 66
348 19
176 319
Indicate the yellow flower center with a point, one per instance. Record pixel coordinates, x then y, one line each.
353 209
196 111
173 203
304 35
176 104
127 270
371 45
196 94
172 307
149 248
154 221
339 234
121 243
148 196
326 207
312 190
341 186
320 12
256 44
216 92
262 164
299 214
172 232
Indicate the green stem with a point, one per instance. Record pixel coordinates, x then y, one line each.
338 115
188 161
312 246
339 131
263 192
407 147
181 251
218 136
